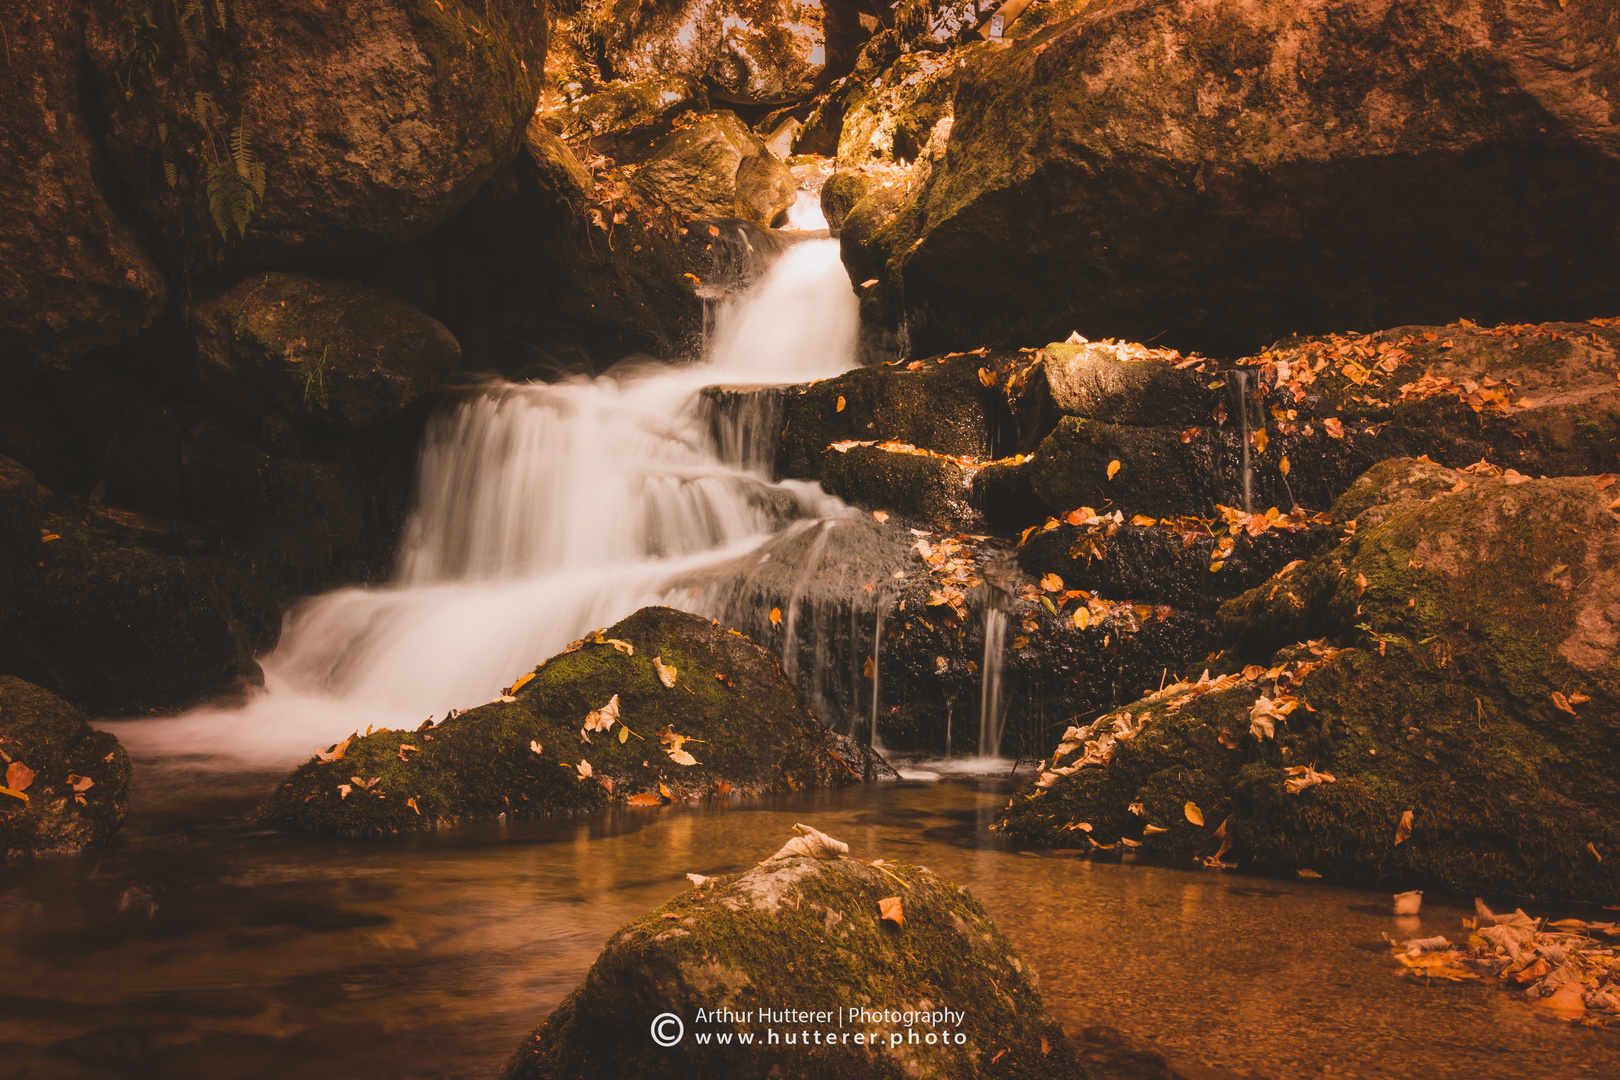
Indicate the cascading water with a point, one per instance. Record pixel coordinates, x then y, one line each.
543 511
1240 380
995 635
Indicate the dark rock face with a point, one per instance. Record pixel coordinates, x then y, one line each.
66 785
77 278
1205 175
1476 690
525 755
755 52
715 167
312 348
259 134
805 930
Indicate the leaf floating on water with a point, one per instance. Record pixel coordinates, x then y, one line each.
811 844
889 910
840 406
1113 468
1403 828
666 672
18 776
645 798
776 616
1194 815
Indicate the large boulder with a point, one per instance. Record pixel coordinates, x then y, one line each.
714 166
1460 734
755 52
76 278
660 706
1206 173
935 990
316 348
260 133
63 785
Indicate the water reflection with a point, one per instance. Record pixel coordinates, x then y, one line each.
199 946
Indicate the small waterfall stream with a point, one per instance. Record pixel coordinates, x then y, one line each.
543 511
990 712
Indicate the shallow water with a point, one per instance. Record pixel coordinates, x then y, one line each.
199 946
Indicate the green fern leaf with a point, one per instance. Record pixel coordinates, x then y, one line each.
256 179
163 133
171 174
241 151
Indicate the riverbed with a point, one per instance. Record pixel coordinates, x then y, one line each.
198 945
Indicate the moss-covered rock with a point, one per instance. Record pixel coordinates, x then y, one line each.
66 785
527 754
890 118
261 134
621 117
77 276
326 349
1206 174
806 934
931 489
1476 689
715 167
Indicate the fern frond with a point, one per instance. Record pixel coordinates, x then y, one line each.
163 132
171 174
241 151
203 107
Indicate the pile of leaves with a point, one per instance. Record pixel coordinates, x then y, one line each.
1092 543
955 565
1051 596
1567 967
893 447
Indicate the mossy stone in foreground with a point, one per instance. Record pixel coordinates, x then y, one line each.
1479 689
804 934
45 741
749 733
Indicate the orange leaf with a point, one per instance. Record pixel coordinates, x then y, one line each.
1334 427
1194 815
1403 828
1113 468
880 516
1052 583
1283 466
840 406
986 377
889 911
645 798
19 776
1562 703
1143 521
776 615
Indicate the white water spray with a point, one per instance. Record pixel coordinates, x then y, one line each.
543 511
995 635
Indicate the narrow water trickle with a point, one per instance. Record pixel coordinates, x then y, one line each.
877 691
1240 379
995 633
543 511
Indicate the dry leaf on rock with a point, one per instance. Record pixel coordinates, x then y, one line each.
1194 815
19 776
601 719
1301 777
811 844
1403 828
666 672
623 646
889 910
584 769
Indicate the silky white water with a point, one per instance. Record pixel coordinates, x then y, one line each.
543 511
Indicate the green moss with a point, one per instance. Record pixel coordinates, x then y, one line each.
749 733
47 735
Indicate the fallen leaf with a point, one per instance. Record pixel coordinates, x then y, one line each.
1113 468
13 794
1189 434
336 752
1309 875
681 757
1215 567
1143 521
79 783
1194 815
880 516
1334 427
624 734
722 677
1283 466
1259 438
663 789
1301 777
623 646
666 672
889 911
1403 828
411 802
1082 618
776 616
1606 480
19 776
840 406
521 683
534 745
811 844
986 378
343 791
1361 584
1149 830
868 283
1052 583
645 798
601 719
1562 703
1594 851
698 880
868 669
583 768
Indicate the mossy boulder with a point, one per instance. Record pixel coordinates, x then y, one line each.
619 118
67 785
1206 174
762 52
715 167
925 488
806 934
527 754
260 134
77 277
311 348
890 118
1475 685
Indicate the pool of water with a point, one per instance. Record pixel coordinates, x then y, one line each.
200 946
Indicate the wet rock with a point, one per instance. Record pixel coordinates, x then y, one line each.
1105 381
21 521
926 488
806 931
118 627
716 167
1473 686
78 278
67 785
260 135
314 348
763 53
890 118
527 754
621 117
1121 172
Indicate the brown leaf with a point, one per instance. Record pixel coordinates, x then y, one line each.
811 843
1113 468
1052 583
82 783
1283 466
889 910
1403 828
666 672
722 677
1562 703
1189 434
663 789
411 802
1194 815
1594 851
986 377
19 776
1606 480
880 516
645 798
840 406
1334 427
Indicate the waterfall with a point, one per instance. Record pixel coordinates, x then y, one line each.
877 695
995 634
1240 380
542 512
